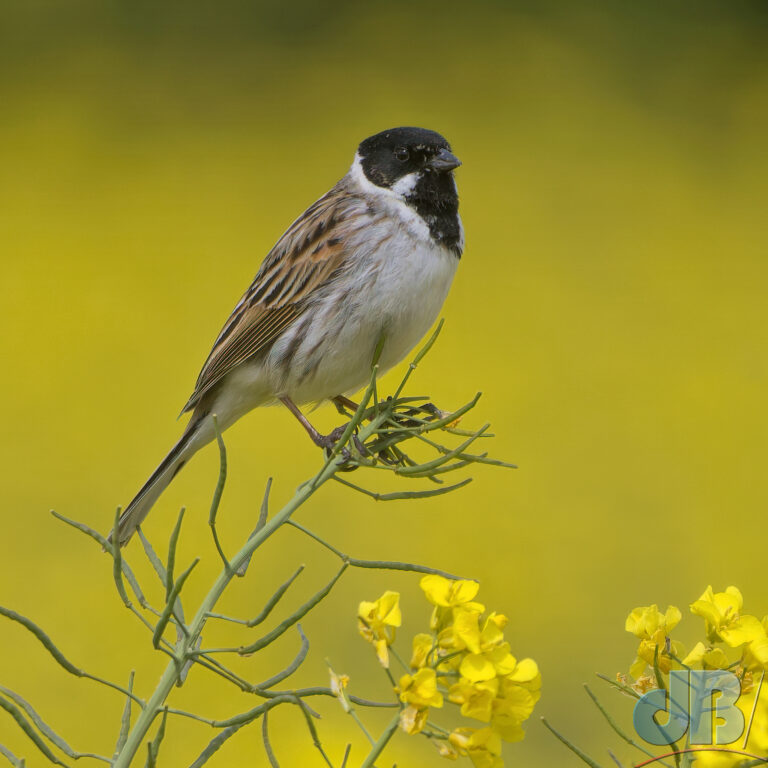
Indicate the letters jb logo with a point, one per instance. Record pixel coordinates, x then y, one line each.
700 702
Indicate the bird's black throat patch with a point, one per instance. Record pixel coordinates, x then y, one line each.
435 199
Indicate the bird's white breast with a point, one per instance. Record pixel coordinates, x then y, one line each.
395 288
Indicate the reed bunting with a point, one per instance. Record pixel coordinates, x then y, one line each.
372 258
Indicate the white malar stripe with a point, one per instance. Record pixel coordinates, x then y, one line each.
405 185
392 199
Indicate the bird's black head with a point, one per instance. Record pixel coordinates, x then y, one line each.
417 166
390 156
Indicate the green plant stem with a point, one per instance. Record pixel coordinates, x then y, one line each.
399 660
186 645
353 714
584 757
378 747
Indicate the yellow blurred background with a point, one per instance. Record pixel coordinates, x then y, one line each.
610 304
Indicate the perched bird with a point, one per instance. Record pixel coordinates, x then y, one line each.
373 258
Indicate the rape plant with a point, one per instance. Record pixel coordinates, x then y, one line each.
471 663
465 660
733 651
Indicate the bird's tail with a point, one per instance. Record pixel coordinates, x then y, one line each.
191 441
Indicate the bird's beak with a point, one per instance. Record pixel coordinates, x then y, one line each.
444 161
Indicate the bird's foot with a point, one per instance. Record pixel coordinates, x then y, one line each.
328 444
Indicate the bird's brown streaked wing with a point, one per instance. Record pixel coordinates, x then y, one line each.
309 252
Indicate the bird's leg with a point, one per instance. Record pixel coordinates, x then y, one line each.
326 442
343 403
318 439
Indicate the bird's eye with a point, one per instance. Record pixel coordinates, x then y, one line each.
401 154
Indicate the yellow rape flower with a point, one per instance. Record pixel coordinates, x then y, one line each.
476 698
517 697
468 634
526 674
421 689
488 664
645 622
756 653
703 657
422 645
718 608
483 746
413 719
377 622
510 710
447 595
722 613
419 692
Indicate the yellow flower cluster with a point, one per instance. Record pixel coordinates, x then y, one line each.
734 640
464 660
